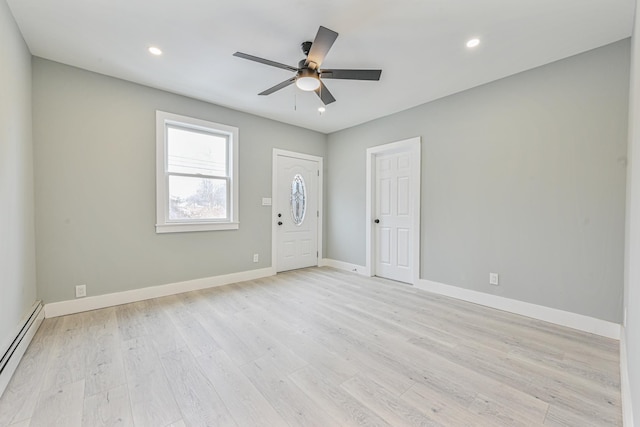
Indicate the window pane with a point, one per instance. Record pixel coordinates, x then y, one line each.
197 198
194 152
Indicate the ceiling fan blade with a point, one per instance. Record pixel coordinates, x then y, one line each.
351 74
278 86
324 94
321 45
264 61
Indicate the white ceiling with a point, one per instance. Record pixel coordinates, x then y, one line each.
419 45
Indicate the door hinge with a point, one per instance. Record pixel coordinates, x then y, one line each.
318 214
318 172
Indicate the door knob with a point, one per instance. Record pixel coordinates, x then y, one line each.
279 222
377 221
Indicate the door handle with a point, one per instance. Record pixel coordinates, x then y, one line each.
377 221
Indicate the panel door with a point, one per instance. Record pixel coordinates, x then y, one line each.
296 213
393 217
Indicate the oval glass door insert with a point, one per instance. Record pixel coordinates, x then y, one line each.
298 199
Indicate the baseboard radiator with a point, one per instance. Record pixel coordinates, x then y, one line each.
16 348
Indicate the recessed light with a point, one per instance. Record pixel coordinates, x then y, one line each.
155 51
473 43
321 109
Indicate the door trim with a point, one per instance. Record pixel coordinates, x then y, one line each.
411 145
274 187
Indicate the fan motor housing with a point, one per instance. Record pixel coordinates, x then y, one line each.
307 72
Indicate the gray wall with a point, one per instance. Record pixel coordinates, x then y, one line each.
17 253
94 142
632 253
524 176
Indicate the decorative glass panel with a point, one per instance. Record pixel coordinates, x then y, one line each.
298 199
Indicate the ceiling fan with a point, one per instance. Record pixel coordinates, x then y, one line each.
309 75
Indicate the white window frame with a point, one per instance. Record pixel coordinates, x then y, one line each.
163 223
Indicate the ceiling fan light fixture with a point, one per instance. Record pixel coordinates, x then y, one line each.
308 71
308 80
308 83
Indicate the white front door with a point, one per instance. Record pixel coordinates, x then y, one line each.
296 212
395 209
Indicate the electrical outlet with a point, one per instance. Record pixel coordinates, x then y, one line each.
81 291
256 258
493 279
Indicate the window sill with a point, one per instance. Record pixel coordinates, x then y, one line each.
186 228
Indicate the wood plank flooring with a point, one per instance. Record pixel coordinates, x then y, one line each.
313 347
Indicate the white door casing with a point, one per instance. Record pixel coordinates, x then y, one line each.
296 232
393 210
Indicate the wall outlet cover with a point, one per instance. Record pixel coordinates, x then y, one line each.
493 279
81 291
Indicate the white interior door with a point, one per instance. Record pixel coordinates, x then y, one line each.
394 214
296 212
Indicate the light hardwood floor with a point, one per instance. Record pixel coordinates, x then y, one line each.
316 347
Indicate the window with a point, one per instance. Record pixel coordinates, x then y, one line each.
196 174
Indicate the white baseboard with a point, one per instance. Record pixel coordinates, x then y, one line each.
558 317
539 312
63 308
36 315
625 386
354 268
